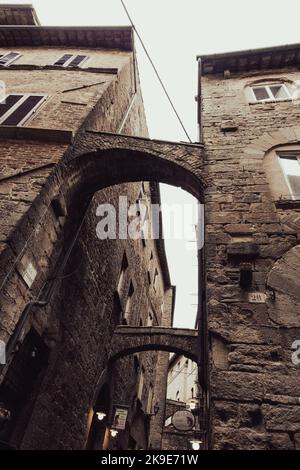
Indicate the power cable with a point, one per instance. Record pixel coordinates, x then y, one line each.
156 71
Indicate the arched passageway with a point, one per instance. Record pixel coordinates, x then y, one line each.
98 161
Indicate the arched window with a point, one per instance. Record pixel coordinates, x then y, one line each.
262 91
282 166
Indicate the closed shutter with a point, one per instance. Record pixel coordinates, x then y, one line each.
8 58
18 115
8 102
77 60
63 59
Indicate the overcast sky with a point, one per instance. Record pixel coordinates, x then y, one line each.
175 31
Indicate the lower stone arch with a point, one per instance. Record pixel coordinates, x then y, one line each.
258 148
179 341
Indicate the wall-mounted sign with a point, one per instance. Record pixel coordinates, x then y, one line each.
257 297
183 420
27 270
120 417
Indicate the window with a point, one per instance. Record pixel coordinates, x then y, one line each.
70 60
142 211
8 58
128 307
16 109
271 92
155 280
141 384
150 399
150 319
290 165
121 280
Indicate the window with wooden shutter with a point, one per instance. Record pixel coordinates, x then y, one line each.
63 60
16 109
71 60
8 102
8 58
78 59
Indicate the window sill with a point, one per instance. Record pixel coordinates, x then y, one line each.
270 101
287 203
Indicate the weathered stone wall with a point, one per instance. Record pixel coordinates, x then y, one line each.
81 312
254 384
63 109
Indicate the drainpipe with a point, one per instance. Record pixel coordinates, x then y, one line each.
134 93
124 120
199 102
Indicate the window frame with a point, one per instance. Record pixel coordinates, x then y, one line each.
141 383
267 88
122 275
150 318
19 102
150 397
155 280
68 61
129 303
11 60
295 155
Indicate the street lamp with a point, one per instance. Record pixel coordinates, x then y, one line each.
100 415
196 444
114 432
193 404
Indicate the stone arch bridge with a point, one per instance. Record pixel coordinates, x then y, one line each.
97 160
130 339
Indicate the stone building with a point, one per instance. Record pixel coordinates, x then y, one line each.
87 322
64 290
183 393
251 132
182 379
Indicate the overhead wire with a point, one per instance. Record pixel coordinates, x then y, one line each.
156 71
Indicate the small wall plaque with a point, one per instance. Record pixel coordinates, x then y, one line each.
257 297
27 271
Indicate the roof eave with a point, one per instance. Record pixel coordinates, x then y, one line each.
251 59
106 37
